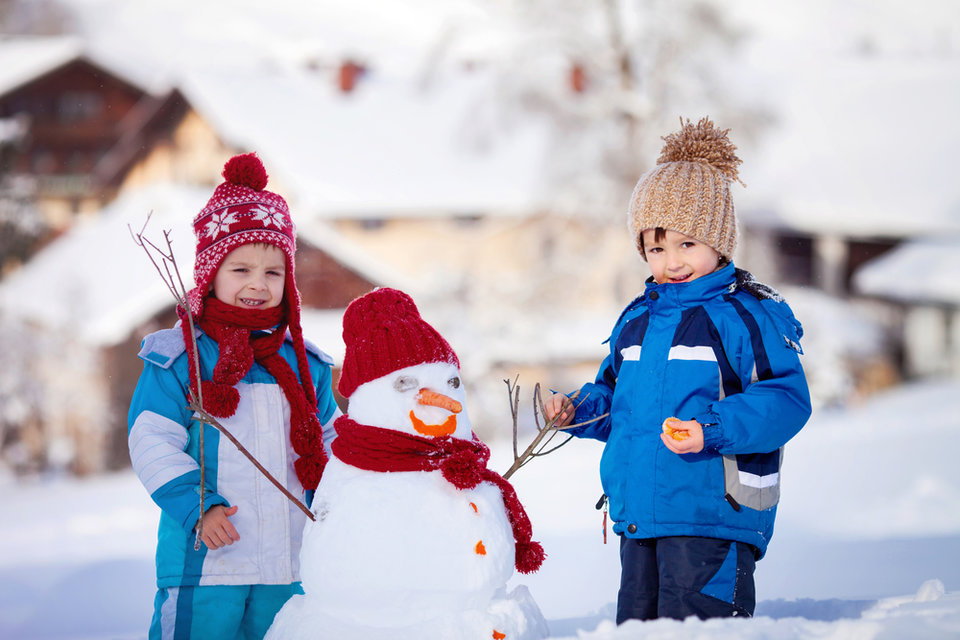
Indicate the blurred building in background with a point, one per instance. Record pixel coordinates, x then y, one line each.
483 167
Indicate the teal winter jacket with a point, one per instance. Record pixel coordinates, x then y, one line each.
724 350
164 442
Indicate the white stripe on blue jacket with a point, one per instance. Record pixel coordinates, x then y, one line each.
723 350
164 449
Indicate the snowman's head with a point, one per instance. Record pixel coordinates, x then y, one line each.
427 399
398 371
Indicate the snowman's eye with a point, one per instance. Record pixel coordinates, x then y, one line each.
454 382
406 383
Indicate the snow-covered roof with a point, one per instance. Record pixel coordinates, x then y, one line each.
860 146
100 285
395 146
325 237
23 59
93 281
925 270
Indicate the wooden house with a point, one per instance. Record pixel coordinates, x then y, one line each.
86 124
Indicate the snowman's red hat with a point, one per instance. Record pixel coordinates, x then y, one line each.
383 332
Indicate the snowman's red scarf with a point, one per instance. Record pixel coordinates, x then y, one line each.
463 464
232 328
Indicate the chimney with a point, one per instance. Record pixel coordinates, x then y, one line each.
348 75
578 78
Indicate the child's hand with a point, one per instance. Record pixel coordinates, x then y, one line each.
218 531
685 436
559 404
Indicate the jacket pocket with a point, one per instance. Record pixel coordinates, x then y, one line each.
753 480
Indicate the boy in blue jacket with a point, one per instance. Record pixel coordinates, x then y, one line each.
699 393
267 386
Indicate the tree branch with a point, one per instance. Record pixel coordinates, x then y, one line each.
545 432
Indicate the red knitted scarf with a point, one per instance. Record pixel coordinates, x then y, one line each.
463 464
232 328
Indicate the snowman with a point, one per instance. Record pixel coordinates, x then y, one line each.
414 537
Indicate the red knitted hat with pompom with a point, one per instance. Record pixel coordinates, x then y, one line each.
240 212
383 332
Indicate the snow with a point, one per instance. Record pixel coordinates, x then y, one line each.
857 163
26 58
395 146
889 276
97 282
861 98
867 542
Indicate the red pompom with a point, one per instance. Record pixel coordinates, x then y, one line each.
529 557
246 170
220 400
462 470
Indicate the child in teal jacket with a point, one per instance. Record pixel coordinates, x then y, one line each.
266 385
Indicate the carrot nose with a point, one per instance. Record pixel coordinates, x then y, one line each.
434 399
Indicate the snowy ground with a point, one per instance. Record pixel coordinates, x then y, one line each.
867 542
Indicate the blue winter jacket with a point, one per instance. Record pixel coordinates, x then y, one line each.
164 449
724 350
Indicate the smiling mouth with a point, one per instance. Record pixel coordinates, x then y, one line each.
681 278
434 430
252 303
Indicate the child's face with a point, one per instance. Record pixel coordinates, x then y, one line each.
677 258
251 276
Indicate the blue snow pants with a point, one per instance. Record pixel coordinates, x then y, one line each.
218 612
681 576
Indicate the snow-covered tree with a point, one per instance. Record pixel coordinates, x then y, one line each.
605 80
611 77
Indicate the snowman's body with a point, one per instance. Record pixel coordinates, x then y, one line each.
406 554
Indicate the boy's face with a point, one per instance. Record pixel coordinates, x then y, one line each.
677 258
252 276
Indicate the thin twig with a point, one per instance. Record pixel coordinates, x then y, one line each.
514 392
172 280
546 432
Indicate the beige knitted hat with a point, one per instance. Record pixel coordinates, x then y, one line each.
689 189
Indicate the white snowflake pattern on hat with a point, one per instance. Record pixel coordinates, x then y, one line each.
220 222
269 215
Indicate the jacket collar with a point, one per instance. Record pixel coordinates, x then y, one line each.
691 293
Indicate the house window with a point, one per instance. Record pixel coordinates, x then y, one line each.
468 219
862 251
77 162
372 224
44 162
795 259
76 106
